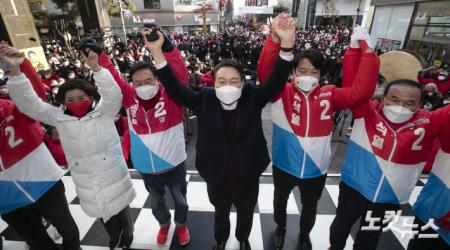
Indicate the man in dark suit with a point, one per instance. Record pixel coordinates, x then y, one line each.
231 149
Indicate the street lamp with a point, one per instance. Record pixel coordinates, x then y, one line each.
123 23
206 6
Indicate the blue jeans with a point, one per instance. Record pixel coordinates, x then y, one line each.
175 180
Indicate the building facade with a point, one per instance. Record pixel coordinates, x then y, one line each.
172 15
420 27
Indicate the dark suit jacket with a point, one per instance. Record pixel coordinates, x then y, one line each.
248 149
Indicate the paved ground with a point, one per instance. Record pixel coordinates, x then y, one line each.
338 146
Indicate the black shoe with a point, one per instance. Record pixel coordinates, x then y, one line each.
304 242
244 245
278 238
219 245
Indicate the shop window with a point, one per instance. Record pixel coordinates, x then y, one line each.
432 20
152 4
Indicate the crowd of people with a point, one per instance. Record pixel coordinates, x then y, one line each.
101 107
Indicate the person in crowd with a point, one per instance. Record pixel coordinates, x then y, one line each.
439 77
432 98
30 179
433 202
231 149
155 124
302 125
388 148
90 142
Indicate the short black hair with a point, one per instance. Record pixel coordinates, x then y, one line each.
229 63
314 57
141 65
404 82
80 84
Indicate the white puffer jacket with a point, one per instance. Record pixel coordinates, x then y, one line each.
91 144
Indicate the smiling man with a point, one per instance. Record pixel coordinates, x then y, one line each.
388 148
231 149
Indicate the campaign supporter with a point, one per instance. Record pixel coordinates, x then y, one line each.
231 148
30 180
303 122
388 148
90 142
156 137
433 201
440 78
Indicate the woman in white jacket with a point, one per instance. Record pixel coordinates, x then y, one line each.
90 141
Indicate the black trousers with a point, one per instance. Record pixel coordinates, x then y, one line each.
351 206
244 199
424 243
27 222
310 192
120 227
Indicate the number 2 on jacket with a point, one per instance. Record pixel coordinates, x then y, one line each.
12 142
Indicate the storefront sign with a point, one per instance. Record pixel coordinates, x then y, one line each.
256 10
138 19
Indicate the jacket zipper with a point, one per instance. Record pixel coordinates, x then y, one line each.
306 134
377 192
149 132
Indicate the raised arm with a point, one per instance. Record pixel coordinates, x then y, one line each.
109 90
178 66
269 52
29 71
126 88
363 85
166 76
285 31
350 69
22 93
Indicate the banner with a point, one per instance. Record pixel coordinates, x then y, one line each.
36 56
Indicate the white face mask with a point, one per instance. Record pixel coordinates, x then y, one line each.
306 83
146 92
397 114
228 96
441 78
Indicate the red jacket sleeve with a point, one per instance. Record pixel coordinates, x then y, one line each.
29 71
350 67
440 118
357 89
267 59
126 88
176 63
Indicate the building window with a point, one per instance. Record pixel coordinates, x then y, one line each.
432 20
152 4
186 2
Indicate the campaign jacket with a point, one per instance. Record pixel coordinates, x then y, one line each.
384 164
303 123
27 169
433 201
91 144
156 135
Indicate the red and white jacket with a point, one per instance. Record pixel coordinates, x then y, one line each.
303 123
384 164
156 135
433 201
27 169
